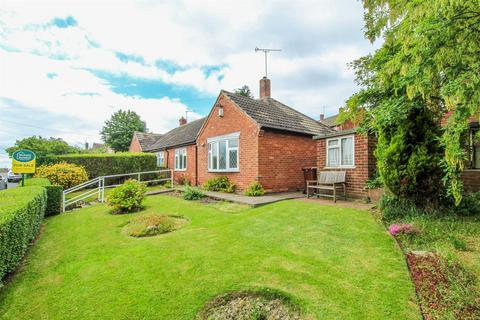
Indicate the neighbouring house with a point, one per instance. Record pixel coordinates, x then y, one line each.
177 150
142 140
260 140
347 150
329 121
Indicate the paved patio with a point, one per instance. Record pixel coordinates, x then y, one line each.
271 198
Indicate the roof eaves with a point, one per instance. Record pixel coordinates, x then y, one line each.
335 134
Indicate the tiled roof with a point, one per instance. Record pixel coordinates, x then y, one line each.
270 113
146 139
180 136
330 121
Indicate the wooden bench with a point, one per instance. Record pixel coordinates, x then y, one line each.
328 180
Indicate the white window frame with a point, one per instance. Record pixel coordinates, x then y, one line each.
216 140
161 159
339 139
176 160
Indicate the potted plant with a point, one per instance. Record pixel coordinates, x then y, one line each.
375 190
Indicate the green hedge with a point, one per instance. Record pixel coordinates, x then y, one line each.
104 164
21 214
54 195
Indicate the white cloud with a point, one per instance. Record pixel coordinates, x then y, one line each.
317 38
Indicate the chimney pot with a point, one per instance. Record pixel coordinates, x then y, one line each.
322 116
264 87
182 121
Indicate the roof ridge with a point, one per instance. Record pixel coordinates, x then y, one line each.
301 113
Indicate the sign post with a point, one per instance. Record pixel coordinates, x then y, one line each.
23 161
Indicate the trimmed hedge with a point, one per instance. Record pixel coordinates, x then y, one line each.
21 214
104 164
54 195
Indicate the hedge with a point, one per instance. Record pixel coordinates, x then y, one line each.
21 214
54 194
104 164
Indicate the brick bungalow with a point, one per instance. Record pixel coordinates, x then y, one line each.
346 150
260 140
244 139
142 140
177 150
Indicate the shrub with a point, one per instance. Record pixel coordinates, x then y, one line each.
396 208
104 164
21 213
374 183
221 184
128 197
255 189
54 194
192 193
152 224
64 174
470 205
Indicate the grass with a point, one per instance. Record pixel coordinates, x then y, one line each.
456 241
335 263
453 237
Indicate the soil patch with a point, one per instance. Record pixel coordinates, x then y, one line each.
250 306
445 289
148 225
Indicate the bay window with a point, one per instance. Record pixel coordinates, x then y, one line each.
223 153
340 152
181 159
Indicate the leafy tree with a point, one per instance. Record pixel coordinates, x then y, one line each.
427 66
244 91
43 147
118 131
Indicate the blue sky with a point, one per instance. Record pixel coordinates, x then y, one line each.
66 67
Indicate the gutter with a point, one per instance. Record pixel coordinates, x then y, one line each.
334 134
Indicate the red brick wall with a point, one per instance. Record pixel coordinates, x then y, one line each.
364 164
281 159
190 173
234 120
135 145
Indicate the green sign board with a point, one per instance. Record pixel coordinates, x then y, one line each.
23 156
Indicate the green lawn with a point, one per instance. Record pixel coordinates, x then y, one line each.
336 263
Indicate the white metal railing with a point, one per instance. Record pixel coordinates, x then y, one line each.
97 186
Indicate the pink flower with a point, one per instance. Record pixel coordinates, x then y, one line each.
395 229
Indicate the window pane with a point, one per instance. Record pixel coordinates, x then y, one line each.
176 161
233 161
233 143
214 156
333 143
347 151
333 157
184 160
222 155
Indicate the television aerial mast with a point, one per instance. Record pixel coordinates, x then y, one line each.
265 51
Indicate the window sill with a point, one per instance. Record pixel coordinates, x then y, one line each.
180 170
342 167
224 171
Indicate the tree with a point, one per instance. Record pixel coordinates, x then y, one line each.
43 147
244 91
427 66
118 131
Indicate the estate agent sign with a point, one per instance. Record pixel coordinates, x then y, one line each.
23 161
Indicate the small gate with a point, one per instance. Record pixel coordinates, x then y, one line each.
98 185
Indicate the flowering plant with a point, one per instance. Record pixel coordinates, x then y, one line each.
406 228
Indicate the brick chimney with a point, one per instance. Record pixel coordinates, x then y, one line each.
182 121
264 87
322 116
